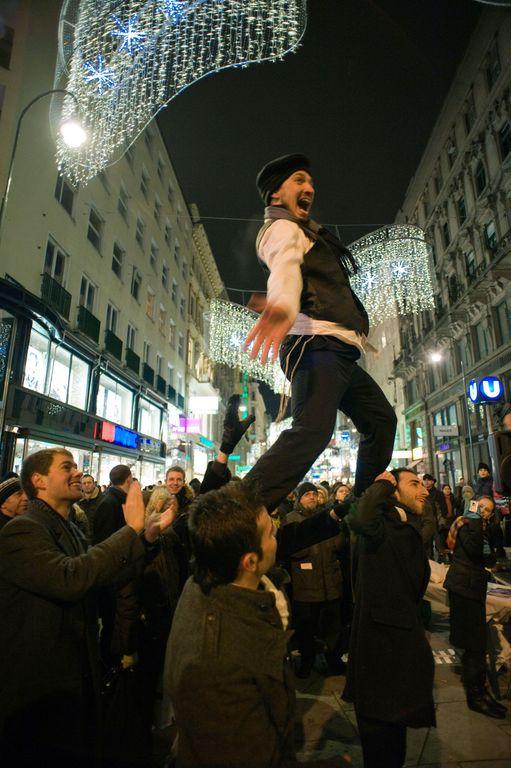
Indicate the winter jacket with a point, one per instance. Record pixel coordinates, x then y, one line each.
316 574
390 663
467 575
229 679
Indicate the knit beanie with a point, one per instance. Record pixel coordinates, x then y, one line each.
304 488
8 487
277 171
482 465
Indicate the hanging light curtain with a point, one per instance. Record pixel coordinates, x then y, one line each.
124 60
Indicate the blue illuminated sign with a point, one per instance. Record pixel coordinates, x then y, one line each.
488 389
345 437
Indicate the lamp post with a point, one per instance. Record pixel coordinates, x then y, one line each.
71 131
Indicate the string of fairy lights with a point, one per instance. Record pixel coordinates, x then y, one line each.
124 60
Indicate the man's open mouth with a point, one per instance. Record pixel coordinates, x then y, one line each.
304 204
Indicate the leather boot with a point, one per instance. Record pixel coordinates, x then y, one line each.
480 701
496 704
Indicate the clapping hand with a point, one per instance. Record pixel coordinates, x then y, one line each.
157 522
386 476
234 428
133 508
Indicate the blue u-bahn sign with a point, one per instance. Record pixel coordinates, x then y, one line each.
488 389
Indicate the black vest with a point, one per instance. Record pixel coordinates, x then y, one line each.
326 293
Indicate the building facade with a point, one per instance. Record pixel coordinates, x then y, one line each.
461 196
103 292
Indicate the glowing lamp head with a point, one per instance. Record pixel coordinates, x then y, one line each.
73 133
435 357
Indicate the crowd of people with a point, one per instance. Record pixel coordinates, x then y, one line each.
204 602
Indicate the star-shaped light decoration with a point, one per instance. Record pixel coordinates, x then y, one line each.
129 34
174 10
102 75
400 269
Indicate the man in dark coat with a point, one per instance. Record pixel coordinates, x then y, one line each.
13 500
390 664
90 501
119 607
49 673
316 580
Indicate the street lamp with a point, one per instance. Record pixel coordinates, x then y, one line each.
71 130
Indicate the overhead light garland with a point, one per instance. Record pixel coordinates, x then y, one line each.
394 275
124 60
230 324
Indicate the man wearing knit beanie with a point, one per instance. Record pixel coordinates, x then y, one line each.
13 500
322 326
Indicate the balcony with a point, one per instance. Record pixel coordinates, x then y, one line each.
148 374
88 324
55 295
181 402
474 274
171 394
132 361
160 385
113 344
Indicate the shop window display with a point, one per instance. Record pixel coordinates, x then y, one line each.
114 402
149 421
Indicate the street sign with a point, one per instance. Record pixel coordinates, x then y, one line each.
446 430
486 390
345 437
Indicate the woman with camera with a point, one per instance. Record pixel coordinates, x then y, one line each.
466 583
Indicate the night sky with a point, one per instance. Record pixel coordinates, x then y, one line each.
360 98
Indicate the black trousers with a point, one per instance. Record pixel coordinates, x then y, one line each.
326 379
383 744
321 620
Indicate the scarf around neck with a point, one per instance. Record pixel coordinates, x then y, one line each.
315 232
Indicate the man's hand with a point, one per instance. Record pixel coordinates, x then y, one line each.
156 523
133 509
268 332
234 428
387 476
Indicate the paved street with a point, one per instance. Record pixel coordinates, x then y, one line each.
462 739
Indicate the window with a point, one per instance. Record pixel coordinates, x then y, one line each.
95 229
170 194
122 203
147 352
130 157
168 234
189 353
117 260
462 210
452 148
439 182
172 335
54 371
87 293
139 232
481 340
184 270
191 306
7 34
136 282
159 361
505 141
160 170
153 255
182 307
149 418
470 114
502 323
148 138
165 275
170 374
112 316
471 263
181 346
490 236
180 388
131 337
54 262
144 183
64 193
493 65
162 320
157 210
177 253
149 307
174 292
114 401
446 235
480 178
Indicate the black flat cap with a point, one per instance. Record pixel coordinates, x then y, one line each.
277 171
